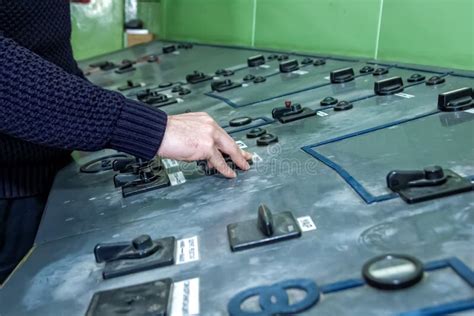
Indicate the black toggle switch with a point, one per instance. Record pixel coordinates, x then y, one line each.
256 132
152 59
416 78
319 62
185 46
283 57
456 100
267 139
197 77
141 254
249 77
255 61
168 49
224 72
203 165
343 106
272 57
137 299
184 91
380 71
265 220
165 85
307 61
127 66
259 79
421 185
435 80
291 112
104 65
328 101
366 69
224 85
268 228
130 85
388 86
289 66
139 176
342 75
240 121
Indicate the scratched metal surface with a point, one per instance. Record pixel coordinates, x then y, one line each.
60 276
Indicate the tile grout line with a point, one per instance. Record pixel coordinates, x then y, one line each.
254 22
378 31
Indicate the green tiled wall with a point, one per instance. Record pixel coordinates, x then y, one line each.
432 32
97 27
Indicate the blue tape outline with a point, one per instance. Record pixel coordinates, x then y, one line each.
459 267
346 176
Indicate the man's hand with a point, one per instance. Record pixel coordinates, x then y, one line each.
196 136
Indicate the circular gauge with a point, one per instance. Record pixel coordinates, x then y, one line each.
392 271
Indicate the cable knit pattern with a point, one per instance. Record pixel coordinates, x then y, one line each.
47 108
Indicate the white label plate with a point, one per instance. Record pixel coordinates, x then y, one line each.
187 250
306 223
176 178
185 298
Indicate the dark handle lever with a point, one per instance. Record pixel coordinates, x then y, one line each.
430 176
265 220
108 252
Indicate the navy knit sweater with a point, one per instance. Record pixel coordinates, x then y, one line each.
47 108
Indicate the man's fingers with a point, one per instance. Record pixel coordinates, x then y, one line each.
219 163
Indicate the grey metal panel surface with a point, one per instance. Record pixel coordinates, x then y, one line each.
60 276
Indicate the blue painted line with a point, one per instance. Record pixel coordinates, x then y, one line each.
343 173
462 270
444 309
341 286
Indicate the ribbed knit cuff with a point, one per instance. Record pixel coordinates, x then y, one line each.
139 130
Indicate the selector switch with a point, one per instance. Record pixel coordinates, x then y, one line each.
435 80
224 72
456 100
249 77
130 85
224 85
421 185
291 112
388 86
366 69
289 66
256 132
197 77
255 61
240 121
259 79
143 253
267 139
319 62
168 49
104 65
343 106
307 61
342 75
328 101
416 78
380 71
266 229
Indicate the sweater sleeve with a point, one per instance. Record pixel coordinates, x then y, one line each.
43 104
